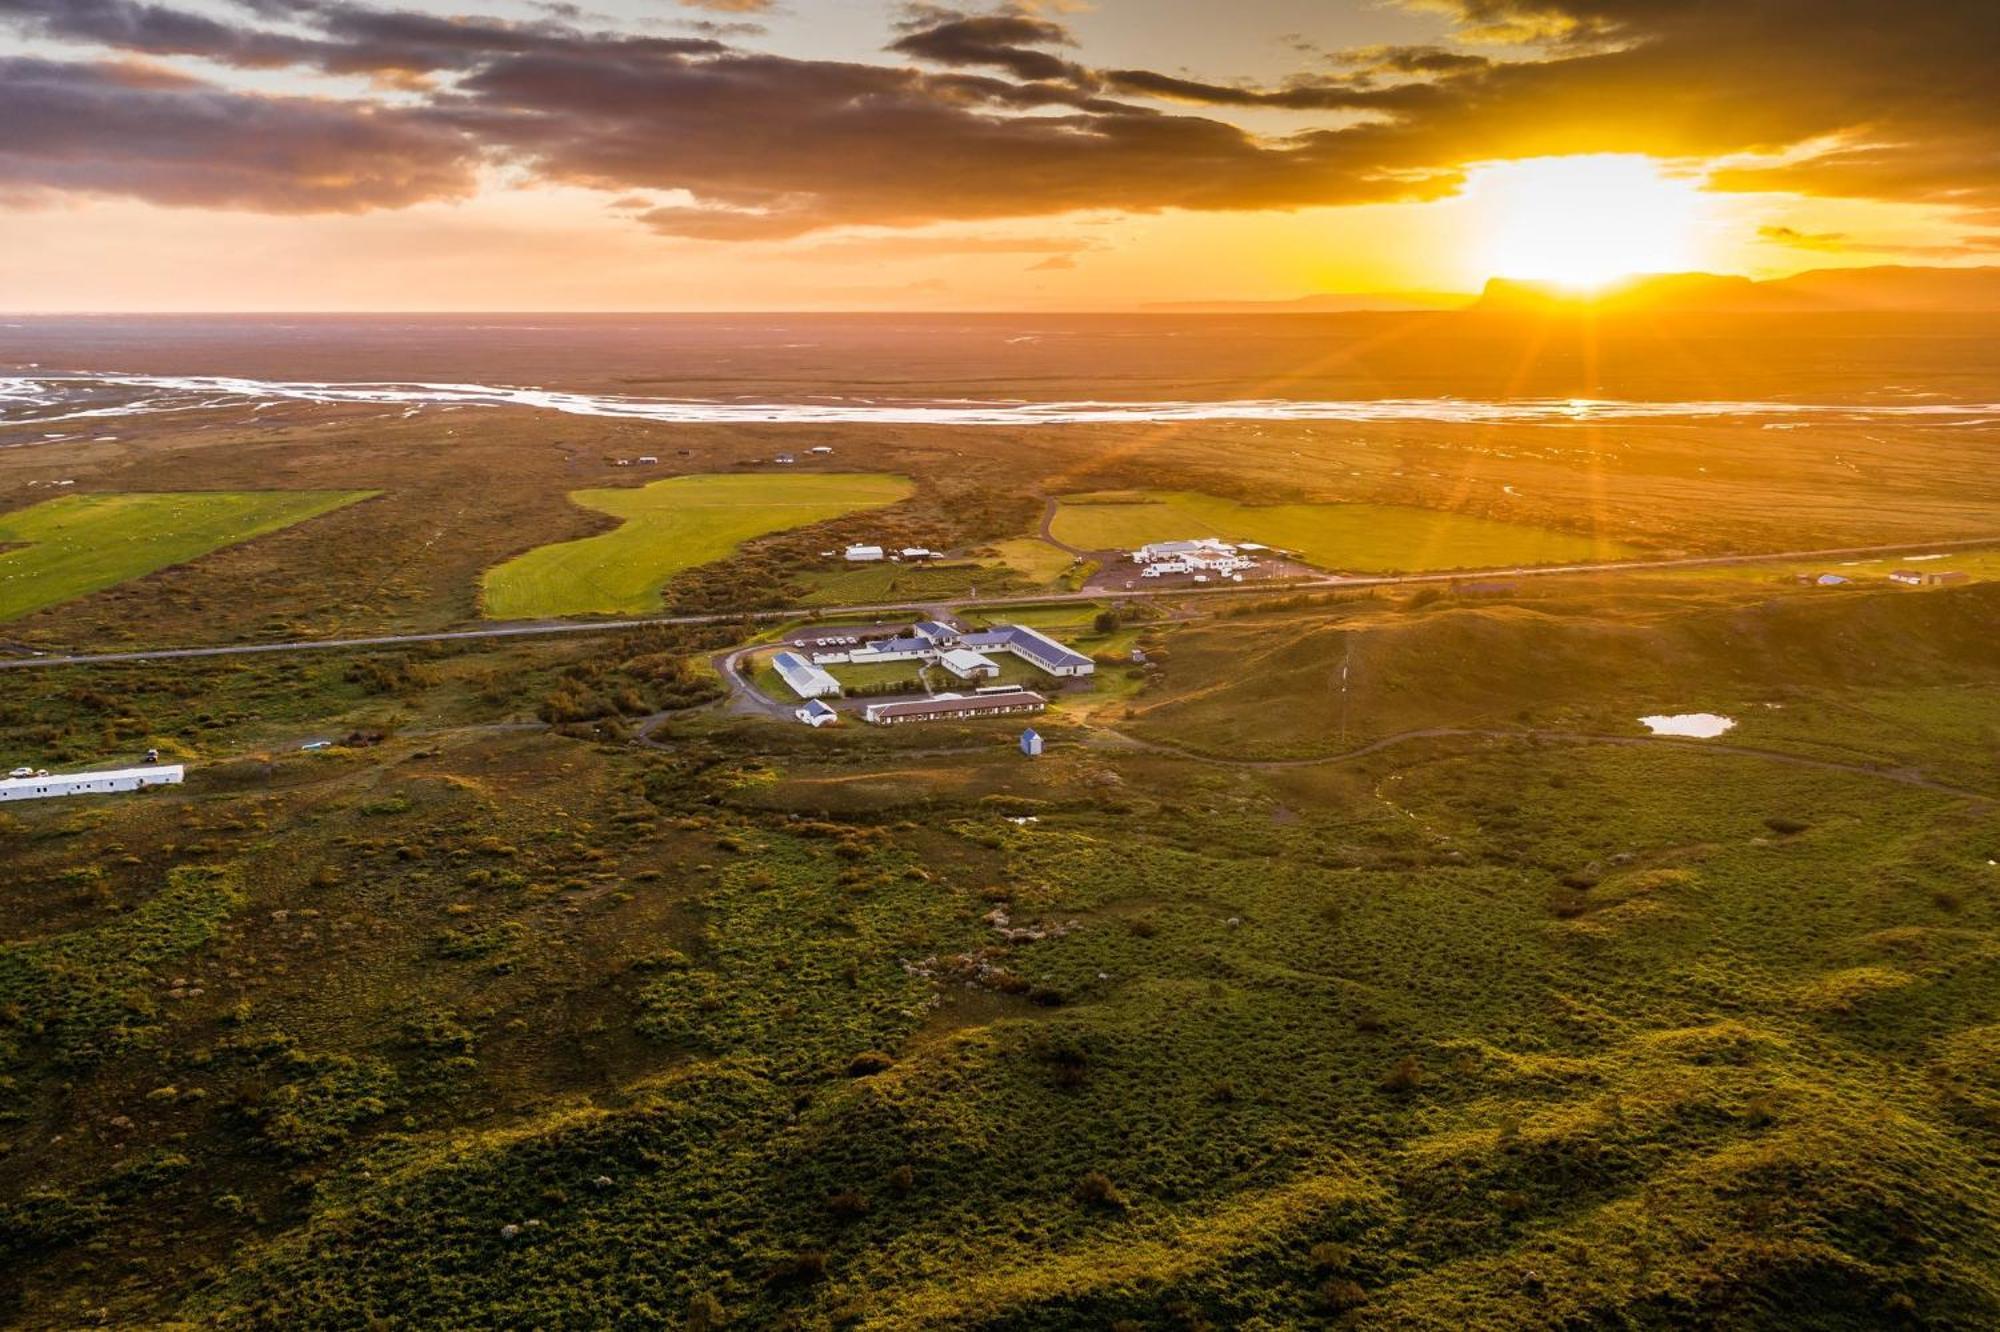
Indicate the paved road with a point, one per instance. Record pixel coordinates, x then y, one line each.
1326 583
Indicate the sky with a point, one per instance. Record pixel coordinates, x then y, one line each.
297 155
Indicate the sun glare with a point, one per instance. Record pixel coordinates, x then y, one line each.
1584 221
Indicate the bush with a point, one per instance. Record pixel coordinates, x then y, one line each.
1405 1075
1096 1190
803 1268
1786 827
868 1063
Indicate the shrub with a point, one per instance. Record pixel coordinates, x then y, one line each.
1785 827
868 1063
1095 1189
1405 1075
803 1268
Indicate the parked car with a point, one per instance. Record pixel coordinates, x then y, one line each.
22 772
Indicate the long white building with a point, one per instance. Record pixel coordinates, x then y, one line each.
806 680
48 786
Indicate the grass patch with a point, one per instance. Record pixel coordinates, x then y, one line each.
67 548
1365 537
1034 559
668 526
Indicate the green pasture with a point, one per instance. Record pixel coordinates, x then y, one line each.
1360 537
1033 558
668 526
67 548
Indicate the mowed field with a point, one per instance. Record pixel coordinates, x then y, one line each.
1365 537
671 525
67 548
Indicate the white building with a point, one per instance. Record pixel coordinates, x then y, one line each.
863 554
806 680
47 786
1031 743
1202 555
954 707
822 448
816 714
967 664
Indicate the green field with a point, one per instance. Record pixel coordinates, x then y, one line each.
67 548
1362 537
1034 559
670 525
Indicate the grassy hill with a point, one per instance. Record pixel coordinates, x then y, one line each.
487 1026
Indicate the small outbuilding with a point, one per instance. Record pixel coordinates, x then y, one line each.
968 665
817 714
1907 577
863 554
1031 743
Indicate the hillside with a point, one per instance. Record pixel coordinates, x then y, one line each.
1832 290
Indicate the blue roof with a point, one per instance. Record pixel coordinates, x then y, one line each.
817 708
899 645
1028 642
786 661
934 629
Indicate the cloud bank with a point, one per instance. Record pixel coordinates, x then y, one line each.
973 116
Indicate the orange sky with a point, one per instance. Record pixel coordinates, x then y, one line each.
207 155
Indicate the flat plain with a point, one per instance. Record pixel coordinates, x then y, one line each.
1351 958
666 527
1365 538
75 545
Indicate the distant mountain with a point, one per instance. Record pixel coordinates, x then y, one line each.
1321 303
1965 290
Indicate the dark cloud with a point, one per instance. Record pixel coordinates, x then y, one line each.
1001 41
116 129
989 115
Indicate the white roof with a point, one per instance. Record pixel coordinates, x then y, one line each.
159 772
965 659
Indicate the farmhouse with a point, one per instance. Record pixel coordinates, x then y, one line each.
806 680
955 707
863 554
1907 577
816 714
47 786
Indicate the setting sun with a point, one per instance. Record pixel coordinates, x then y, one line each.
1585 221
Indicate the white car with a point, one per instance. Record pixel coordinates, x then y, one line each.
22 772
